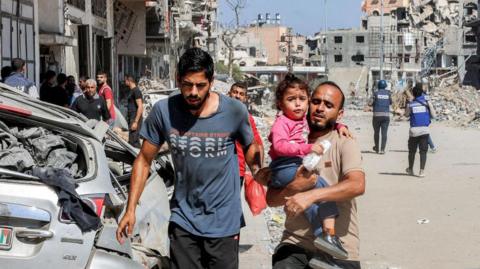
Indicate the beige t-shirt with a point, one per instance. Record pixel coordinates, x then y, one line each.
343 156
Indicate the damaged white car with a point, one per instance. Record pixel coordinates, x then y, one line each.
63 186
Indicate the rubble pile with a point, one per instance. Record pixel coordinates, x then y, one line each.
22 149
152 91
433 17
461 105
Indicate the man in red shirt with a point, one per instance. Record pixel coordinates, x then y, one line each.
106 92
239 92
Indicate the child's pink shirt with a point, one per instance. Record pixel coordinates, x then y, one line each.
289 138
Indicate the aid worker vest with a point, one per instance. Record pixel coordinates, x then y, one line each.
419 112
382 101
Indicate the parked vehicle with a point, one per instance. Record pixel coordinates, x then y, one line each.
35 232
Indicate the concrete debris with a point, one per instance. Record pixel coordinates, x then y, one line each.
460 105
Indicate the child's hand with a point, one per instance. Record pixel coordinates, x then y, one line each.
343 131
317 148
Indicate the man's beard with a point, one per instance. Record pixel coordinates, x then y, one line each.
317 127
195 106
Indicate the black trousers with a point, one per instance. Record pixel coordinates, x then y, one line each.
420 142
188 251
380 124
134 136
289 256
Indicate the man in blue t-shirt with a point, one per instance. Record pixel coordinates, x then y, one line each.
201 128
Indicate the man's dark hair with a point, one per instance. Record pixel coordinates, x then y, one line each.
417 90
130 78
102 73
195 60
61 78
6 72
17 64
335 85
83 78
240 84
49 75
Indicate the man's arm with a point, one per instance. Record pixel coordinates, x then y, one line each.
257 137
254 157
351 186
304 180
105 112
141 167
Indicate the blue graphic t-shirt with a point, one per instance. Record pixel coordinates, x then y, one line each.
206 201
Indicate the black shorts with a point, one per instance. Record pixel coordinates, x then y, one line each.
188 251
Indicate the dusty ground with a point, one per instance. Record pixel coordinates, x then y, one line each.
448 197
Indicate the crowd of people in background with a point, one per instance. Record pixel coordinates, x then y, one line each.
92 98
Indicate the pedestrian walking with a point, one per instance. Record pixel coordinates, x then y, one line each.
381 101
105 91
341 167
201 128
134 111
420 112
289 139
91 104
18 80
239 91
48 83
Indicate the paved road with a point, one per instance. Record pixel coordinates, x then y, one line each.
448 197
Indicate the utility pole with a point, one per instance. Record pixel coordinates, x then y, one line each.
382 39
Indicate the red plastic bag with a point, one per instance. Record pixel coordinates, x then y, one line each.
255 195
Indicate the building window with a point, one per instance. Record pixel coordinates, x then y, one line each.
407 58
338 58
99 8
374 2
392 2
400 40
18 35
338 39
360 39
358 58
252 51
80 4
300 48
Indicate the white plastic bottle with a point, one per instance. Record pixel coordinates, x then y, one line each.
312 159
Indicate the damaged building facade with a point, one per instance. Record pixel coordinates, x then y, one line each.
19 34
81 37
420 39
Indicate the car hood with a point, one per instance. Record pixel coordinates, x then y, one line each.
14 102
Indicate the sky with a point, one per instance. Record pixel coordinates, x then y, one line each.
304 16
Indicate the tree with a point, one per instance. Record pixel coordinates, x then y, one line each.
229 35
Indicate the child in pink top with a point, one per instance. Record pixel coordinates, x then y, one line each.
289 138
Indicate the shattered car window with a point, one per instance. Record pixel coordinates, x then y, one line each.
23 147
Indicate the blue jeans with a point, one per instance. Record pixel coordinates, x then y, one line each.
283 172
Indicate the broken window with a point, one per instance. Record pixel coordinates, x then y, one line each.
338 58
400 40
358 58
338 39
80 4
253 51
99 8
470 37
360 39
